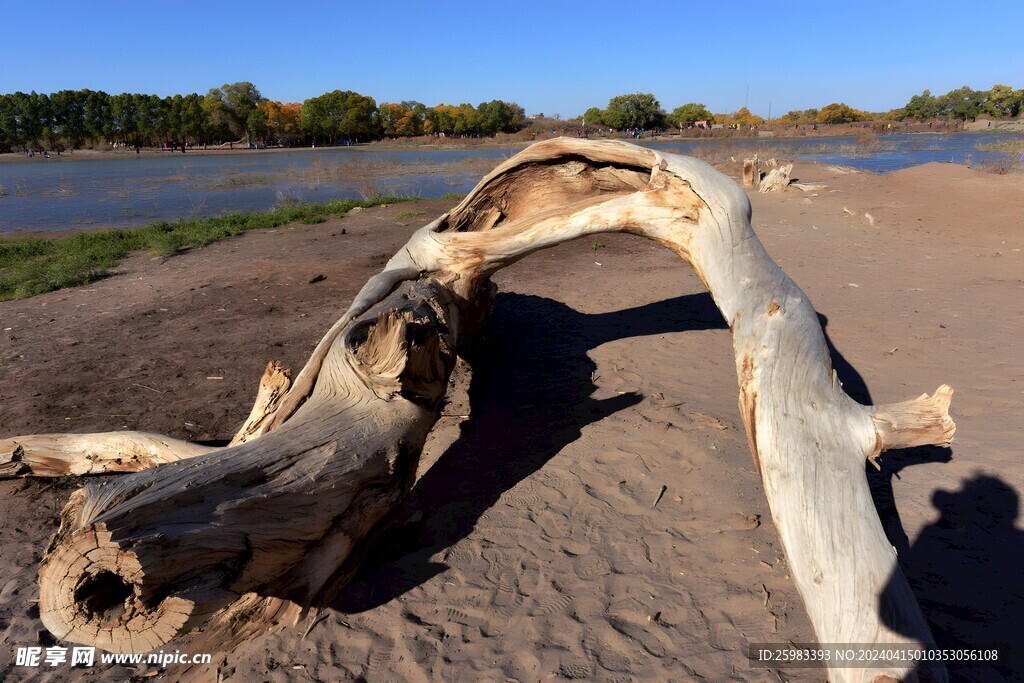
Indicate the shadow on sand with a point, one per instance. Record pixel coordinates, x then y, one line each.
531 395
966 569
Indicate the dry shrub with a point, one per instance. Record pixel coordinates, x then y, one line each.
1003 165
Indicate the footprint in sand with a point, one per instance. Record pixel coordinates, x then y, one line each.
591 566
496 560
612 658
507 538
380 658
466 617
575 548
423 613
554 525
549 603
523 666
530 577
575 669
463 555
525 499
506 596
650 641
723 637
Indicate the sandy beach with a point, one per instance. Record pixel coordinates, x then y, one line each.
534 545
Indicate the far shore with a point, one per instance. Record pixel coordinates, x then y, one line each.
504 142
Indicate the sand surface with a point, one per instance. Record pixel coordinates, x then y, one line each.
531 548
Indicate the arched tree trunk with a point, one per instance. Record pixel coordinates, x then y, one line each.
251 534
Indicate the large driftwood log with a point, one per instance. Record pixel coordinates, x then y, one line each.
248 535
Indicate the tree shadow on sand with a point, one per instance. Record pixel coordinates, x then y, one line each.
967 569
531 396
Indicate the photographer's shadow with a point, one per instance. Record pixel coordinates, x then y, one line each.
967 569
967 572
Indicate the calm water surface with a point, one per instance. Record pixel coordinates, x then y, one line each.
122 191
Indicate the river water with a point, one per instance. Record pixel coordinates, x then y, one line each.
66 192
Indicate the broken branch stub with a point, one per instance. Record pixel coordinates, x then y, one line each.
777 179
279 519
751 173
60 455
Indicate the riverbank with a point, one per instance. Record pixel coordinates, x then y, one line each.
530 548
523 139
31 265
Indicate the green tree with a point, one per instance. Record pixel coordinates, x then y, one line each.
440 120
46 120
498 116
464 119
30 120
163 124
962 103
124 119
688 114
99 116
922 107
9 137
146 112
417 108
594 116
636 110
800 116
338 114
69 115
193 120
236 106
1004 101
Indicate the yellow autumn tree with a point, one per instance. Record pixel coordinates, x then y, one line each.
283 120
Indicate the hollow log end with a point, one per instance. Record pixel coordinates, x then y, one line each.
91 591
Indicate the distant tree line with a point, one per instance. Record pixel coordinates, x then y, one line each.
235 112
1001 101
643 111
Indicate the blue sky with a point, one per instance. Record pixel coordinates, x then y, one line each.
555 57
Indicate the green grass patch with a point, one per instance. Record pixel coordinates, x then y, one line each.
33 265
454 196
410 214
